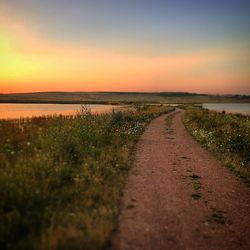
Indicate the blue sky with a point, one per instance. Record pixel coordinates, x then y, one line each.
141 45
157 26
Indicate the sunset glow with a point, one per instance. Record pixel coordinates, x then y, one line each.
33 59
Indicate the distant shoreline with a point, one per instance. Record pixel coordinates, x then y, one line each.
116 98
59 102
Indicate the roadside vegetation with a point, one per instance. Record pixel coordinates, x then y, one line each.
227 136
61 177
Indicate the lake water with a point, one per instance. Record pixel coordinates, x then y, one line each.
243 108
15 111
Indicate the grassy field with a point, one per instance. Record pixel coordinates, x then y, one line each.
119 97
61 177
225 135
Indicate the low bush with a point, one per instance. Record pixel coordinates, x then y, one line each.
61 177
226 135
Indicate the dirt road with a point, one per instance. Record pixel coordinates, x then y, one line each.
178 196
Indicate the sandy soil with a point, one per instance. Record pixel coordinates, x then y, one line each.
178 196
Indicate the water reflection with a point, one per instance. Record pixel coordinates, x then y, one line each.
243 108
15 111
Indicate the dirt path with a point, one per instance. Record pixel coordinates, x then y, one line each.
179 197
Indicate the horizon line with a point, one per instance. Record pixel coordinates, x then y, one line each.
128 92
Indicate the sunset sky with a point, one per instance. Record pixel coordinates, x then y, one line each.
116 45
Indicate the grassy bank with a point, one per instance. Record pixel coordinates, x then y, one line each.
61 177
225 135
120 97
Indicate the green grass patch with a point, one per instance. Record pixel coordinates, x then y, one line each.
195 182
197 185
194 176
168 122
61 177
227 136
196 196
218 216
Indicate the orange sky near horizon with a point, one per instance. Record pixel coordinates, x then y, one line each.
29 63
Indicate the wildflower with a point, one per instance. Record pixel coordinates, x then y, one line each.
77 179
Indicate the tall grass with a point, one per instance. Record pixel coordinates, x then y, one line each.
226 135
61 177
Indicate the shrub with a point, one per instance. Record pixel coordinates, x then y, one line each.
226 135
61 177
